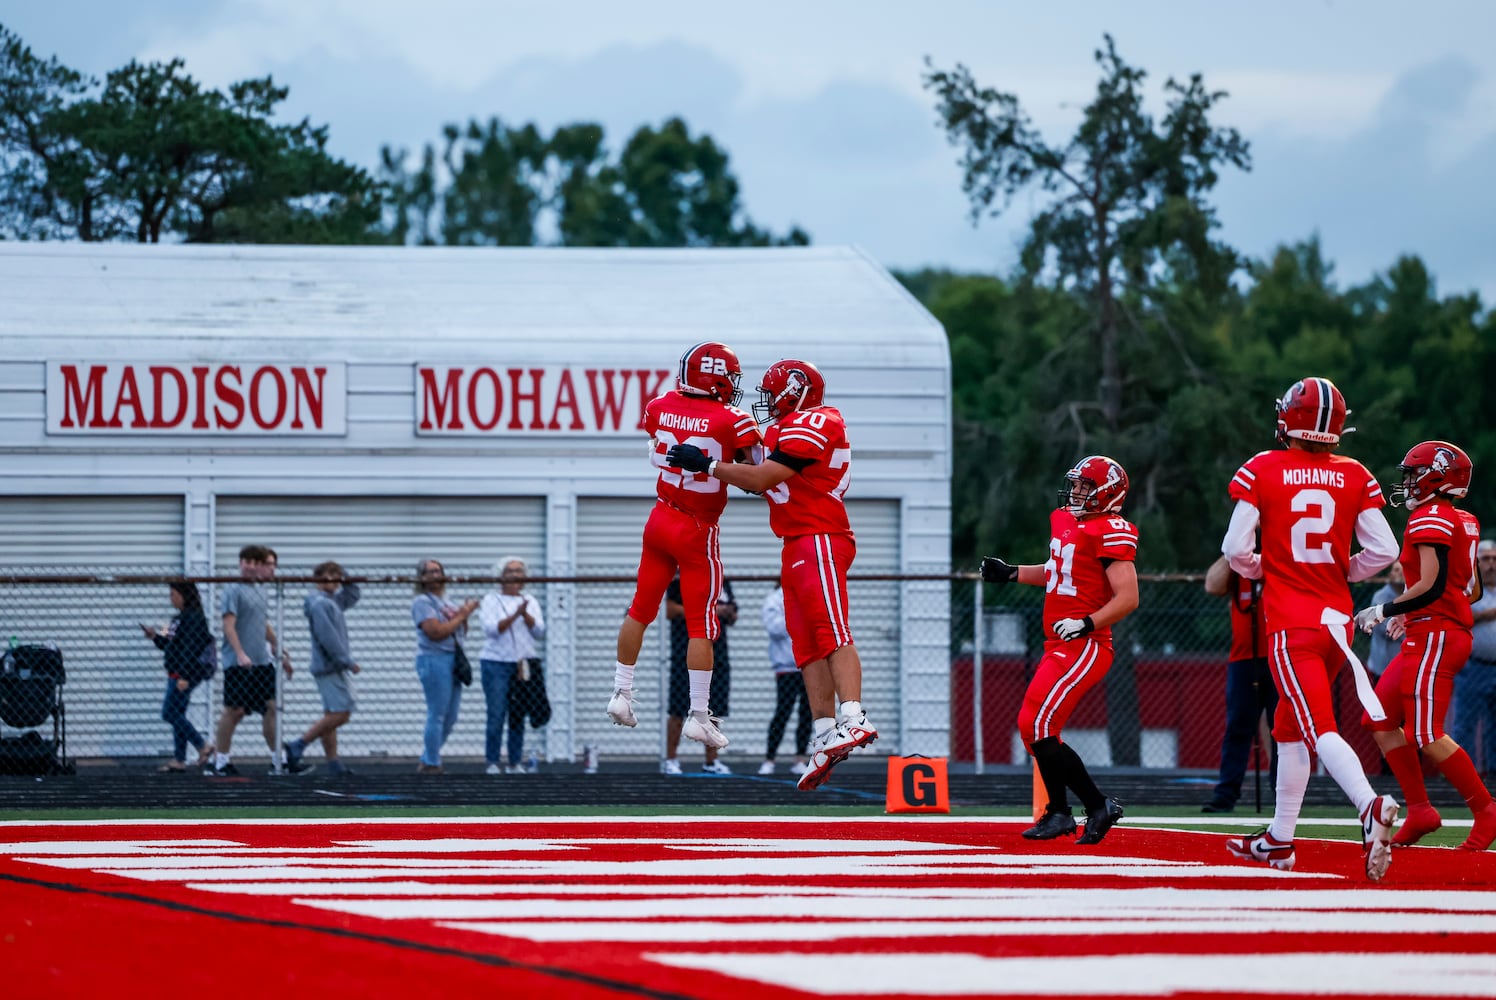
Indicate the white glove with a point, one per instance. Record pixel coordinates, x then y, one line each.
1073 628
1369 618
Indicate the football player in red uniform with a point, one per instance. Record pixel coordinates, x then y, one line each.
682 532
1309 502
804 478
1438 561
1090 584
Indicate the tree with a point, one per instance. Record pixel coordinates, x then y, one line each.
1128 208
153 153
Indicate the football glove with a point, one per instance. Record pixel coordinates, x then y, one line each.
994 570
1073 628
1369 618
688 457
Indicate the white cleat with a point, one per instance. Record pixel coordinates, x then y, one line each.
1376 835
704 730
621 709
833 747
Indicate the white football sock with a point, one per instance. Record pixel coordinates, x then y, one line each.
851 710
823 726
1293 782
1345 767
701 689
623 676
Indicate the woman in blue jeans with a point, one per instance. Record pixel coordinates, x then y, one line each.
439 625
511 622
185 643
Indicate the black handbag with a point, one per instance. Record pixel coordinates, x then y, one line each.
462 668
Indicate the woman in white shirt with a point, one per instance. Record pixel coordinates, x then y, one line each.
511 623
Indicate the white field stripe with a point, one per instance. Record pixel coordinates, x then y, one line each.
673 932
570 822
96 847
1142 975
1079 911
1129 868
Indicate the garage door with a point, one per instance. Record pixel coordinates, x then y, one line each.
374 536
115 681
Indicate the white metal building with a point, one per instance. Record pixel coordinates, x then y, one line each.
161 406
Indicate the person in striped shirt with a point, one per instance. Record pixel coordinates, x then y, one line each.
1438 562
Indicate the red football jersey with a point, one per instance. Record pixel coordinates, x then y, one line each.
1248 629
1308 504
717 429
810 501
1075 582
1440 522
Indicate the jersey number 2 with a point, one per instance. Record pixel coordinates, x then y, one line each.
1318 508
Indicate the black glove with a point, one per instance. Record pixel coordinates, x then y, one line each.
994 570
688 457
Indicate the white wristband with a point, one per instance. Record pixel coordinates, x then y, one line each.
711 470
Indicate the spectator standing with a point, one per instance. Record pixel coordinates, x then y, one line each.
249 653
1309 503
1090 583
679 704
789 686
185 643
1249 684
682 533
1387 635
1472 721
440 624
804 478
330 664
511 622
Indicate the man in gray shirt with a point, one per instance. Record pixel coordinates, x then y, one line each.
1474 704
249 644
331 663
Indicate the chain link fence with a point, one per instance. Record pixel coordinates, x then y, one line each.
945 664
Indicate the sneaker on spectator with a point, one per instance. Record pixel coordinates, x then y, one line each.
517 769
293 749
670 766
716 767
1218 806
621 709
226 771
704 728
1261 846
493 769
767 767
799 767
1376 835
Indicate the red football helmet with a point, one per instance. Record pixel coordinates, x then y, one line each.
711 369
1430 469
1312 410
1097 485
788 386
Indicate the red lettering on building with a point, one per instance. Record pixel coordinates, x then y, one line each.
532 397
159 373
302 380
230 395
566 399
648 392
77 398
440 399
607 408
485 421
128 395
256 389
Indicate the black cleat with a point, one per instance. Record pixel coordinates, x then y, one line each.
1051 825
226 771
1099 821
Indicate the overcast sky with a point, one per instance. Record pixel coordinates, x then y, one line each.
1372 123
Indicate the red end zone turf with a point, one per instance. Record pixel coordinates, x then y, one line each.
659 907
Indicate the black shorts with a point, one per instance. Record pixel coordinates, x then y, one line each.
249 688
680 690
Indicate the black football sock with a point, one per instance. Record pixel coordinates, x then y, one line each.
1051 768
1079 779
